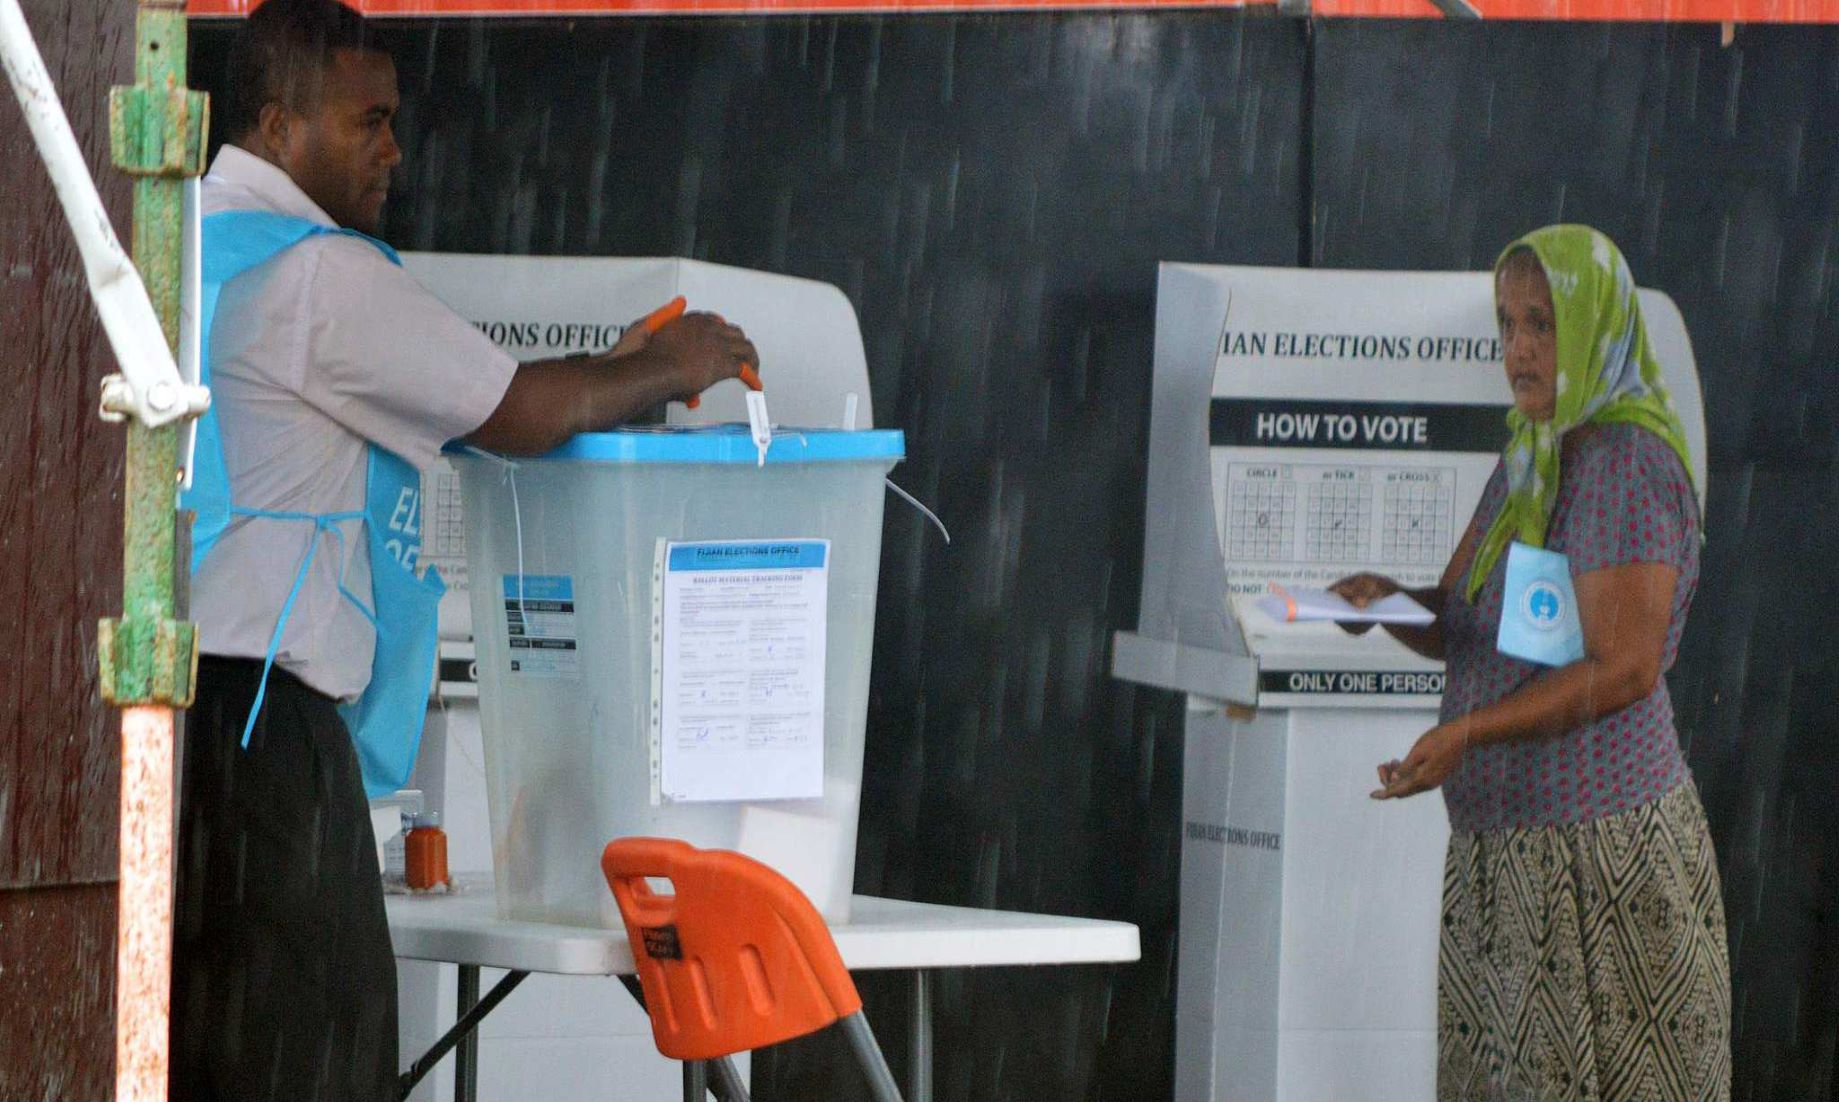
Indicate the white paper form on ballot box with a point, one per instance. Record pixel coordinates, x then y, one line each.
741 685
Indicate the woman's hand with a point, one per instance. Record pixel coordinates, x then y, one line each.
1432 759
1361 590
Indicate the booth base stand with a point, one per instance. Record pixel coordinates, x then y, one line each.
1309 912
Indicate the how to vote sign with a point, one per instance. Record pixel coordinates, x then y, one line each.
1354 420
1298 423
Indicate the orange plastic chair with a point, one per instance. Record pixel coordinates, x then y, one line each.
737 959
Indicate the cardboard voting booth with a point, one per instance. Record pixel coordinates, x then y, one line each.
1307 425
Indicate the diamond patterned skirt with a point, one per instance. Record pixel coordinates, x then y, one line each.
1586 962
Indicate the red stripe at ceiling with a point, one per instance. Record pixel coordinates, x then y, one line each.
1638 11
708 7
1696 11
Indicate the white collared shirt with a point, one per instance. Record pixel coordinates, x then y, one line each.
316 353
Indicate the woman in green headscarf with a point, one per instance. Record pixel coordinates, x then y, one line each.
1583 950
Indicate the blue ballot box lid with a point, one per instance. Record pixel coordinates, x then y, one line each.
730 443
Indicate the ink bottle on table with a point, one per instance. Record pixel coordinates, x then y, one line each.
425 853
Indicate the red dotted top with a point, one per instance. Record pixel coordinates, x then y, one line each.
1624 499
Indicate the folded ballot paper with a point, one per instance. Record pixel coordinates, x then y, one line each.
1291 604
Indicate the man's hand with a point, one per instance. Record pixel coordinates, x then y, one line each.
634 339
1361 590
699 350
1431 760
550 401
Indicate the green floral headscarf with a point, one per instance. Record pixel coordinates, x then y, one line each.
1606 374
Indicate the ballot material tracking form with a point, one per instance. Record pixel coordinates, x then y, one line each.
742 670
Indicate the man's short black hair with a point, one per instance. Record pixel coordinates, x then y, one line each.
281 54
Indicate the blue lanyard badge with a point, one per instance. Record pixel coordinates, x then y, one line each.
1539 620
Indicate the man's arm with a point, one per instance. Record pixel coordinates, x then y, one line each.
550 401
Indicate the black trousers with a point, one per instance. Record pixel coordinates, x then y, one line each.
283 985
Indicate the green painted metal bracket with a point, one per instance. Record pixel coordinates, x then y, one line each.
157 130
173 675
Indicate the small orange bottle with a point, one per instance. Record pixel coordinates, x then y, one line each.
425 853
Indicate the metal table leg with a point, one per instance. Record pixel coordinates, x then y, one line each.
473 1010
466 1057
919 1048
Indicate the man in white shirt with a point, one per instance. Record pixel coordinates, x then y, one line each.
284 982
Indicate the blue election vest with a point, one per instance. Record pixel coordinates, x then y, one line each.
1539 620
385 722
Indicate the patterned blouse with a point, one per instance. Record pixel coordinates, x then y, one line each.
1624 498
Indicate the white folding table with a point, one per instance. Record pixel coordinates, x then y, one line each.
464 929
